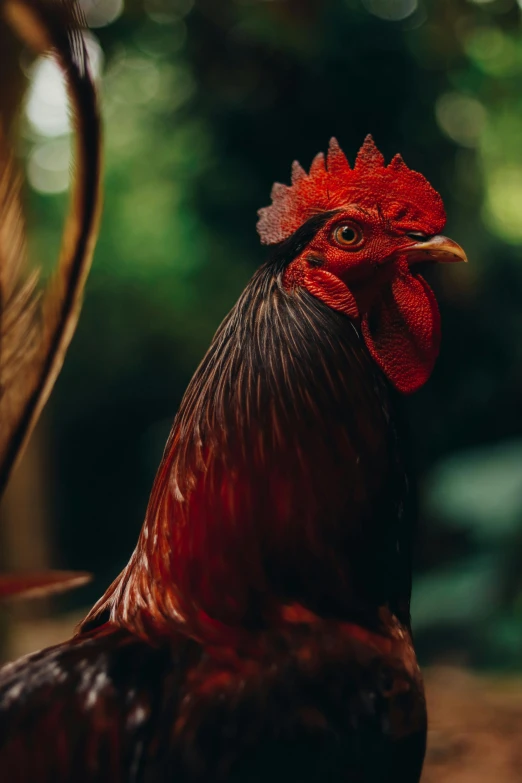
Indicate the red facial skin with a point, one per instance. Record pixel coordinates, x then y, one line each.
371 282
396 216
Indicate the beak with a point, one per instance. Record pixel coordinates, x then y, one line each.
435 249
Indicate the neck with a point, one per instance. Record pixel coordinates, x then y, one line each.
281 482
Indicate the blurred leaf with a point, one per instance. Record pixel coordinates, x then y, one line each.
479 489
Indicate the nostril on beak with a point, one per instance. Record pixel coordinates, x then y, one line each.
438 249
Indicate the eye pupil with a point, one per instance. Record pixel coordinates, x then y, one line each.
348 234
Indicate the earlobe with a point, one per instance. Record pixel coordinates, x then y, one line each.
332 291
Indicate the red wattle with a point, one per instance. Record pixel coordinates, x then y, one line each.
402 331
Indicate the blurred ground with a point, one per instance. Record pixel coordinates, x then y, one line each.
475 727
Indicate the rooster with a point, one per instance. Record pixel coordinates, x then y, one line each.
261 629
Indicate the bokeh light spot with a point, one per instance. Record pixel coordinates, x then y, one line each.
461 117
167 11
47 102
391 10
132 80
47 107
504 203
100 13
48 166
493 51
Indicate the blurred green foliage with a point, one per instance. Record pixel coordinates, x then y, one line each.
205 105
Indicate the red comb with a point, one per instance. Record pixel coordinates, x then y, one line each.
401 194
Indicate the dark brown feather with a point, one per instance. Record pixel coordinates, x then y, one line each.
307 701
283 468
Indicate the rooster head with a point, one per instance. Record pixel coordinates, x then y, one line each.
372 225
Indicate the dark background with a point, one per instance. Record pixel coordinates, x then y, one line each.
206 103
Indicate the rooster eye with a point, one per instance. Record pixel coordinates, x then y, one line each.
347 234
